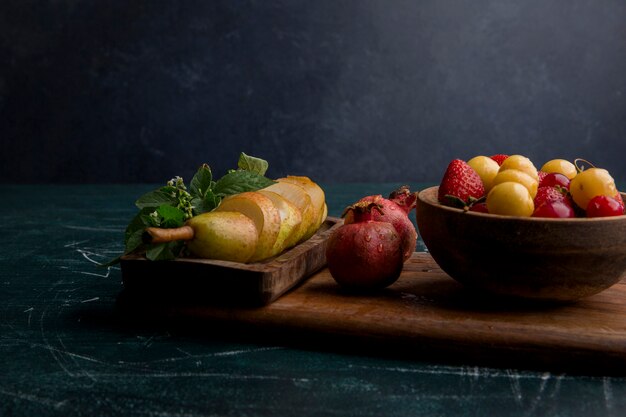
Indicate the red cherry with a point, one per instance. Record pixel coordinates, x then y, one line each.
619 199
603 206
555 179
556 209
479 208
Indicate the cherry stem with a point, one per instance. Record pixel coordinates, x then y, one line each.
582 167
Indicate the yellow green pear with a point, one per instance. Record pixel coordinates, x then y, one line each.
263 213
318 199
224 235
290 221
301 199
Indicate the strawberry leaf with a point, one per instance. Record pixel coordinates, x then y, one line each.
454 201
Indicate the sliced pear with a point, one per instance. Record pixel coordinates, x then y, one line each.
290 218
315 191
323 216
265 215
225 235
318 198
301 199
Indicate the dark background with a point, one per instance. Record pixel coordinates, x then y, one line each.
140 91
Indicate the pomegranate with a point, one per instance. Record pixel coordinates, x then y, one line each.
365 254
394 210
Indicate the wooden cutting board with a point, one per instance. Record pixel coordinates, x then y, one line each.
427 315
236 283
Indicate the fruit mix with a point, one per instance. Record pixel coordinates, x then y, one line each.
511 185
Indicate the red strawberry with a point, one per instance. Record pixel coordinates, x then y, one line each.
461 186
549 194
499 158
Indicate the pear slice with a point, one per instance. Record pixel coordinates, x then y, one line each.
318 198
265 215
323 215
315 191
290 218
301 199
225 235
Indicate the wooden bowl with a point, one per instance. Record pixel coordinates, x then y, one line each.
524 257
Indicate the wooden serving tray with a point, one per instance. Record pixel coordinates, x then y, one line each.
426 314
257 283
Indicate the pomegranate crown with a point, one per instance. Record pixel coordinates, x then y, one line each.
362 210
404 198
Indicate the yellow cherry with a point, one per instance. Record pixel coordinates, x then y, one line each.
590 183
486 168
520 177
520 163
560 166
510 199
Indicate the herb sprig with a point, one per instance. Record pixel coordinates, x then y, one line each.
173 204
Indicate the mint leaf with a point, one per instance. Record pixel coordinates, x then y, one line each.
211 201
240 181
134 241
132 235
164 251
206 204
252 164
201 182
154 199
170 216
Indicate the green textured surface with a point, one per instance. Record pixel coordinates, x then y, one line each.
65 350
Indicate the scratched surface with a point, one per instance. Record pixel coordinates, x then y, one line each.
65 350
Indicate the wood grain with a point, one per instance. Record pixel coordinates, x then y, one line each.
426 314
257 283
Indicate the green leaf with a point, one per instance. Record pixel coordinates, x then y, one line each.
132 235
154 199
252 164
206 204
240 181
454 201
171 216
211 201
134 241
163 251
201 182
